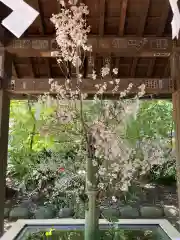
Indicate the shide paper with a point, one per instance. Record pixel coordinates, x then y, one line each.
176 18
21 18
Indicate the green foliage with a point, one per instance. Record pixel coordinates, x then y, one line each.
165 174
33 130
154 119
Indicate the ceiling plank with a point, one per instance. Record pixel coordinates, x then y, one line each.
122 20
102 17
142 22
125 47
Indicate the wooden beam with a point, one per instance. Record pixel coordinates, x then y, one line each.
161 96
125 47
101 18
122 17
142 21
41 85
5 75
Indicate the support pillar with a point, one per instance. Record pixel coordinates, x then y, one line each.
5 77
176 115
175 75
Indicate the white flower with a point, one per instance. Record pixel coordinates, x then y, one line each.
73 2
101 185
94 162
54 54
114 199
81 172
94 76
51 80
115 71
105 71
71 31
62 3
130 86
117 81
142 90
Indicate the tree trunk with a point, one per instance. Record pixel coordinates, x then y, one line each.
92 214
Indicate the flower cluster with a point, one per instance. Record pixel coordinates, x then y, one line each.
71 31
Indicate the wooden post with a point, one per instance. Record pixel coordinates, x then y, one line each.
175 74
5 77
176 115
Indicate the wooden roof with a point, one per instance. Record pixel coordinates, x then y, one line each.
134 35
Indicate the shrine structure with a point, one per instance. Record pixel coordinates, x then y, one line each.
133 35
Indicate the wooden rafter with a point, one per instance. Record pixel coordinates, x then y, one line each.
122 17
142 22
41 18
102 16
125 47
163 19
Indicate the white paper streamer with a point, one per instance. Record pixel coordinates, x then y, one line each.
21 18
176 19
